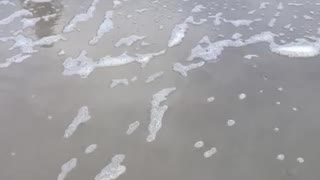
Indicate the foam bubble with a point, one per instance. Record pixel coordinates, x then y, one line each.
66 168
90 148
113 170
300 160
281 157
210 152
231 122
242 96
105 26
210 99
82 117
250 56
199 144
157 112
117 82
132 127
280 88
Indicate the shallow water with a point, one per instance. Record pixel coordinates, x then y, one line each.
247 89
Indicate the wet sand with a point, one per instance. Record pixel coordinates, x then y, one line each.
38 102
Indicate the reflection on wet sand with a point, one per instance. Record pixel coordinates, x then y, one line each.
48 14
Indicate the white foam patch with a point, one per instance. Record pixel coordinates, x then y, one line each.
295 4
141 10
198 8
14 59
82 117
61 52
124 58
84 65
132 127
236 36
49 16
40 1
113 170
26 45
210 99
66 168
272 22
29 22
90 148
307 17
13 16
118 82
198 144
157 112
143 43
154 76
6 2
251 56
217 18
105 27
116 3
183 69
280 6
251 12
241 22
134 78
263 5
210 152
81 17
301 48
128 41
179 31
213 50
